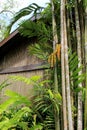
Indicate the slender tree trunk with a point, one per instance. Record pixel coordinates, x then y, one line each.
78 33
85 112
63 67
70 48
55 41
67 73
68 31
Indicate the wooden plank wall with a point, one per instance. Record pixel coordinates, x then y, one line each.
18 86
18 57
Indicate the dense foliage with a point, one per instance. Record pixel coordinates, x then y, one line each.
60 100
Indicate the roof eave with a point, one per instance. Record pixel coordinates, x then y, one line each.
9 37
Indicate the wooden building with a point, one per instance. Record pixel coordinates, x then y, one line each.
15 60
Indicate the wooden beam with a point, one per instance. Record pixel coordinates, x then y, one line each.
15 32
27 68
8 38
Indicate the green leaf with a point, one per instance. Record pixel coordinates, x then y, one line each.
37 127
15 99
15 120
4 84
26 80
50 94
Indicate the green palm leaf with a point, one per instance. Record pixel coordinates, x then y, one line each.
33 8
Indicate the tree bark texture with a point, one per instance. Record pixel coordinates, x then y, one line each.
63 67
67 77
85 111
55 41
78 35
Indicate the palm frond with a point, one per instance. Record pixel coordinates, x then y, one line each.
74 69
49 121
36 29
26 80
15 98
33 8
4 84
40 50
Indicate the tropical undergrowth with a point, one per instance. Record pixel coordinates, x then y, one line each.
19 112
46 100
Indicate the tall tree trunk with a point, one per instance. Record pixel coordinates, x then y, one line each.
78 34
70 48
55 41
67 73
85 112
63 67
